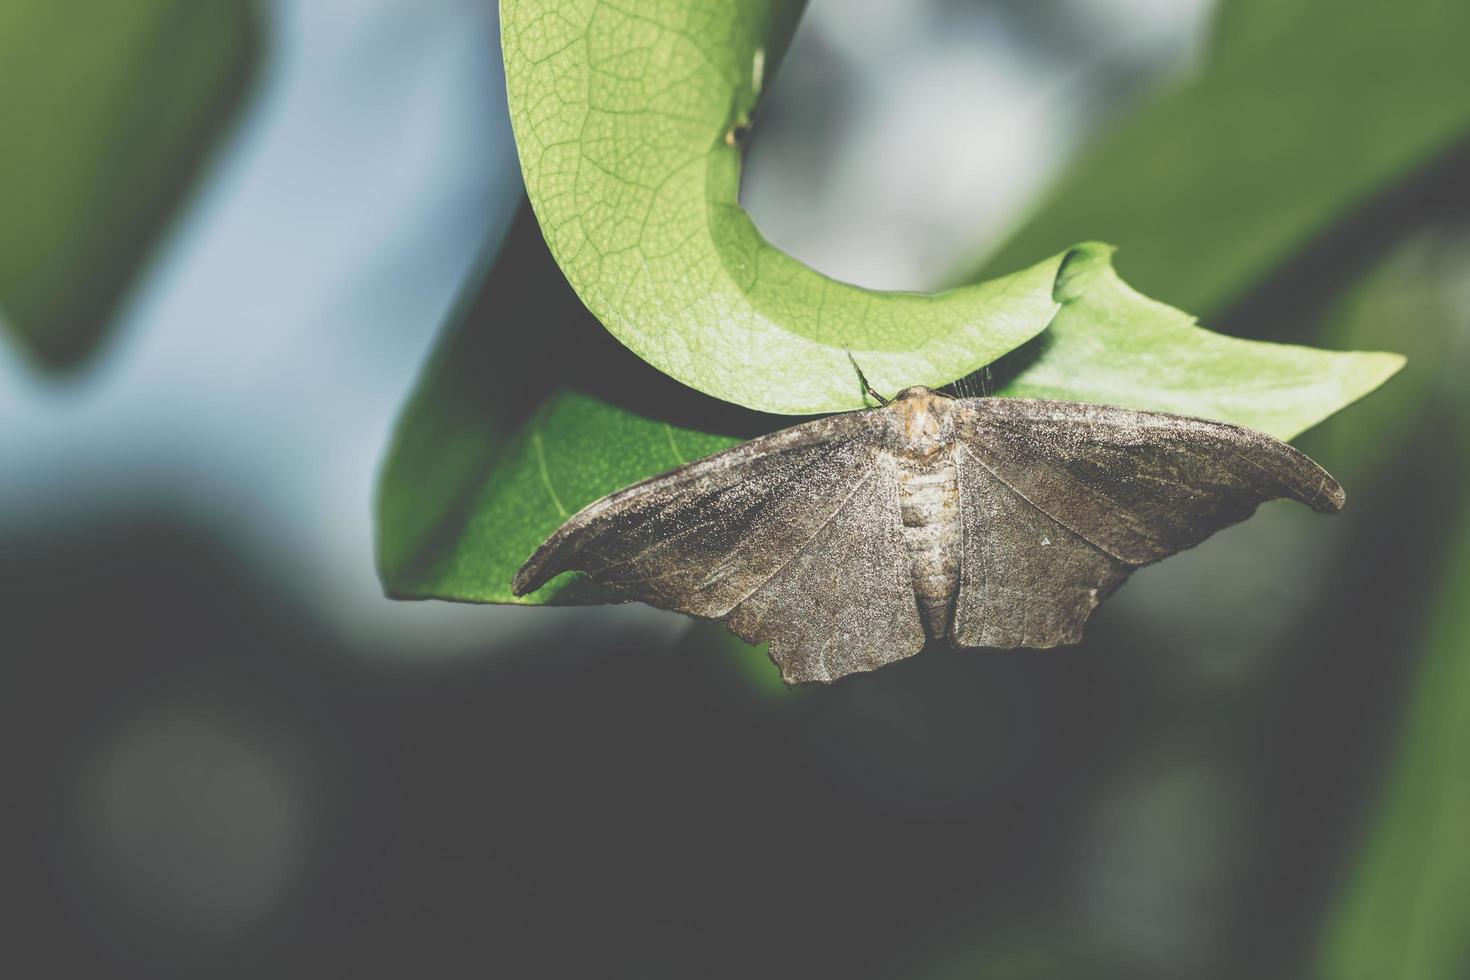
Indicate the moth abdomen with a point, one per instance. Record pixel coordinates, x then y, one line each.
929 498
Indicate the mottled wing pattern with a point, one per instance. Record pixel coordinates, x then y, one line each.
1026 579
792 539
1062 500
844 602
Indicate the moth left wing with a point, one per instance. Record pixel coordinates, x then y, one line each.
1060 501
844 601
792 539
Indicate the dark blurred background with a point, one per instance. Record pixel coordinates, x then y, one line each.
230 233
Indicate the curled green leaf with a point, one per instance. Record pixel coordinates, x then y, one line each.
628 122
628 119
517 426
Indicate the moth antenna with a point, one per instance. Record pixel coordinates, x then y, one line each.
864 379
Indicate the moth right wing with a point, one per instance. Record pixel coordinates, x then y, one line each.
1061 501
792 539
1026 579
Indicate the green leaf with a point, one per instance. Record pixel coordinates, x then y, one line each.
1403 914
628 120
1401 910
1305 112
517 425
508 435
1112 345
107 107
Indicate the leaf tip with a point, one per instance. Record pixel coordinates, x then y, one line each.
1390 363
1375 368
1081 264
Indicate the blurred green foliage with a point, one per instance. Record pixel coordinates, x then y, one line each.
1404 908
107 107
1304 111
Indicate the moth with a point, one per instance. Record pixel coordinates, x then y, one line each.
850 541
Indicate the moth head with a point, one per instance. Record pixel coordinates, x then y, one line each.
924 421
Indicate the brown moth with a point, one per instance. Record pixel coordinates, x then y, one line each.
849 541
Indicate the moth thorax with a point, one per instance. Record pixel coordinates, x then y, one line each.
923 422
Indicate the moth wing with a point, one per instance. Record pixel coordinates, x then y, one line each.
844 601
793 539
1060 501
1026 579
